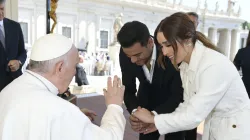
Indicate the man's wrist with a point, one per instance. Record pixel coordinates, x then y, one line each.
134 110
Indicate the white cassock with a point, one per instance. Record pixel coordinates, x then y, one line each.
214 92
31 110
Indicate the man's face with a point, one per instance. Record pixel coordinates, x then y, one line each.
139 54
195 20
67 70
2 6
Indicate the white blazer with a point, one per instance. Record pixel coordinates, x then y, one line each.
213 90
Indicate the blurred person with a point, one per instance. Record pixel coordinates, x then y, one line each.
242 62
12 49
81 76
194 17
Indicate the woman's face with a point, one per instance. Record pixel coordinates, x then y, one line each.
168 50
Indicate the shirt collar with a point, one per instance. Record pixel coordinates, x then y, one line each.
195 58
153 57
1 23
51 87
154 53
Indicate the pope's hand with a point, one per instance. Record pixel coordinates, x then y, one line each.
115 91
144 115
89 113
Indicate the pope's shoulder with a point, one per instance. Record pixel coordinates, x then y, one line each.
32 98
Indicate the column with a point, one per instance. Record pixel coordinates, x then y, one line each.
74 31
245 42
77 30
97 32
235 43
30 30
212 35
11 9
204 31
57 28
35 25
224 42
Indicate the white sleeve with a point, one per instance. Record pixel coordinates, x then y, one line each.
74 125
213 84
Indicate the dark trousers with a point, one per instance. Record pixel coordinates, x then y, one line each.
156 136
191 134
7 77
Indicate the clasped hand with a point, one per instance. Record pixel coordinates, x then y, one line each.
142 121
14 65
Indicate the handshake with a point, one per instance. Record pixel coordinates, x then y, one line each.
141 120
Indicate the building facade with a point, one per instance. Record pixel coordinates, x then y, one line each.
92 21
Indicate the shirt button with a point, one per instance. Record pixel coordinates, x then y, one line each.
234 126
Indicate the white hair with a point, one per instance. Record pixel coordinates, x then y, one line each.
46 66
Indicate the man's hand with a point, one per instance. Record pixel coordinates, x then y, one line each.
139 126
89 113
144 115
136 124
115 92
14 65
149 129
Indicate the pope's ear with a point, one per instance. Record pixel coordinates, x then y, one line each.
59 67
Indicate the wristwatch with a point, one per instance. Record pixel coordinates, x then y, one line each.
20 62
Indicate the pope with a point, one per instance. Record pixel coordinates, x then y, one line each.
31 110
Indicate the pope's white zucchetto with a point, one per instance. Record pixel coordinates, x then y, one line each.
49 47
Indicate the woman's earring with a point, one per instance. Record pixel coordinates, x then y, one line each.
188 45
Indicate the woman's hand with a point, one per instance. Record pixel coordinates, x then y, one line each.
144 115
89 113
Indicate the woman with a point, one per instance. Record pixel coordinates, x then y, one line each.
213 89
242 61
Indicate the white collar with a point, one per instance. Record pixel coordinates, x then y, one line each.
1 23
195 58
153 57
154 53
51 87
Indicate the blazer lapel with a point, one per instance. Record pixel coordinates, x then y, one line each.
158 72
7 33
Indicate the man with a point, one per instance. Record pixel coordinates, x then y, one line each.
31 110
81 76
12 49
194 17
160 90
